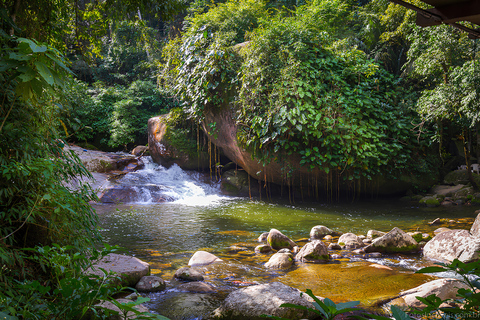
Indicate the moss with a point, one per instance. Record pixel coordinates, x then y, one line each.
341 243
397 250
432 202
418 237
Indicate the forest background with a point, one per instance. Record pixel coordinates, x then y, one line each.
388 95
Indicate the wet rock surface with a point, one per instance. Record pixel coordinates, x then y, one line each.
453 244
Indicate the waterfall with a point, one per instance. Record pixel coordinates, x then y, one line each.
155 183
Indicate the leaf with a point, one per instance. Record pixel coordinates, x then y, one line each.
19 57
431 270
349 304
398 314
45 72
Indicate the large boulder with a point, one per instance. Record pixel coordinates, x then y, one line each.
350 240
128 194
169 145
394 241
251 302
129 269
475 229
99 161
442 288
453 244
203 258
280 260
314 251
318 232
278 240
226 137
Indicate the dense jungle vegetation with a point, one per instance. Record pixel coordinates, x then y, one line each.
353 87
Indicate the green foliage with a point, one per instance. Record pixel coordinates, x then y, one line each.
112 117
296 89
469 298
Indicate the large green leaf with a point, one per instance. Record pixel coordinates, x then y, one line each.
45 72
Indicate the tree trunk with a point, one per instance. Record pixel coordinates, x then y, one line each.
13 15
467 159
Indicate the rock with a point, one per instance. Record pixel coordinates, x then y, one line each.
453 244
263 248
367 241
139 151
393 242
280 260
336 256
99 161
129 269
380 266
447 203
328 237
278 240
373 255
285 250
430 201
358 251
442 288
196 287
426 237
459 202
318 232
350 240
362 237
226 138
334 246
435 222
236 183
372 234
129 194
169 145
456 177
251 302
440 230
263 237
203 258
445 189
475 229
188 274
150 284
130 315
314 251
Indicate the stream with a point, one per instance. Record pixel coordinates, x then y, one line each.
199 217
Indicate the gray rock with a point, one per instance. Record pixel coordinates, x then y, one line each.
328 237
442 288
440 230
318 232
285 250
188 274
334 246
202 258
372 234
453 244
394 241
278 240
314 251
280 260
475 229
251 302
350 240
129 269
150 284
263 237
196 287
263 248
336 256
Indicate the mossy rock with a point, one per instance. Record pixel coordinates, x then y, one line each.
430 201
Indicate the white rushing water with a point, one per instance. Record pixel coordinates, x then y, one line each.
176 185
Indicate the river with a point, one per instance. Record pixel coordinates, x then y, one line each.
199 217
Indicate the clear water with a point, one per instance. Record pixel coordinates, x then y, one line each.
200 218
